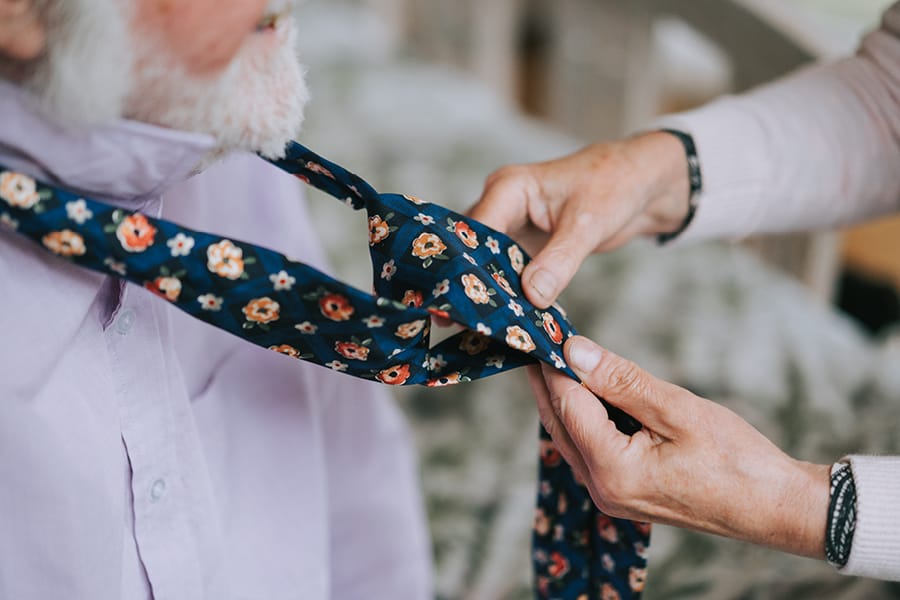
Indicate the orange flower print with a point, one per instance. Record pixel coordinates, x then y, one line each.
286 350
475 289
262 311
636 578
643 528
336 307
440 314
465 233
607 529
516 258
225 260
317 168
413 298
407 331
450 379
379 230
352 350
559 566
473 343
552 328
503 283
608 592
395 375
518 338
165 287
428 245
415 200
18 190
550 456
64 243
541 522
135 233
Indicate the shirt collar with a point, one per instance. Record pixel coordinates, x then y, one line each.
124 161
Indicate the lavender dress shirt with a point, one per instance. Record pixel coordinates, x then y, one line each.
146 455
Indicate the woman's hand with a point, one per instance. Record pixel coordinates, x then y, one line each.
695 464
592 201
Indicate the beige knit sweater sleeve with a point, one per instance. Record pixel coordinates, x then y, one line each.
818 148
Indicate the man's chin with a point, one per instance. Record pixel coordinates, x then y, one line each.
256 105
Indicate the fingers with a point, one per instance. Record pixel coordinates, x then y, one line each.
504 202
551 423
555 266
583 418
660 406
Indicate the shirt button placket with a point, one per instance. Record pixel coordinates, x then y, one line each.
125 321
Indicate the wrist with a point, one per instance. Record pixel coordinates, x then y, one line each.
667 190
802 510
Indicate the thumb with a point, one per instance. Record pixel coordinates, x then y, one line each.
623 384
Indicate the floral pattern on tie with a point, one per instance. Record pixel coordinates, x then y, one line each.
428 261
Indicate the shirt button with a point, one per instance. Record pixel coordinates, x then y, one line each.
157 489
125 321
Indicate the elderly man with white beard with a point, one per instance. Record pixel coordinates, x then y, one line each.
144 454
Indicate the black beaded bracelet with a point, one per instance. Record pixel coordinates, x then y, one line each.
696 181
841 516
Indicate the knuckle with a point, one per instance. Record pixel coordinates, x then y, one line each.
626 378
508 173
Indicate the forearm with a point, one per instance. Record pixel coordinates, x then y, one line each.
816 149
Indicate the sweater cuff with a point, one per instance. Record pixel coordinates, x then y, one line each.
876 542
735 168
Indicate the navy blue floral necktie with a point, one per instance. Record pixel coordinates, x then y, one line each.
428 261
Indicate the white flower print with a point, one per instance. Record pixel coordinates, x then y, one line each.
282 281
210 302
181 245
441 288
469 258
395 352
558 362
388 270
374 321
436 363
8 221
495 361
483 329
338 366
493 245
306 328
424 219
516 308
78 211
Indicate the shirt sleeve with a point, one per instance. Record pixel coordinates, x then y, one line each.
815 149
876 542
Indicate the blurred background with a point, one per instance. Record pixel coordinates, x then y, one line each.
796 333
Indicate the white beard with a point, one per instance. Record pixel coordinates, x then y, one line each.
88 77
256 104
85 75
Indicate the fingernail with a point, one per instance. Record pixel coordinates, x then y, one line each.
584 355
544 283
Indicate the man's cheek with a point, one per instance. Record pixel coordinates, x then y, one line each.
202 35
